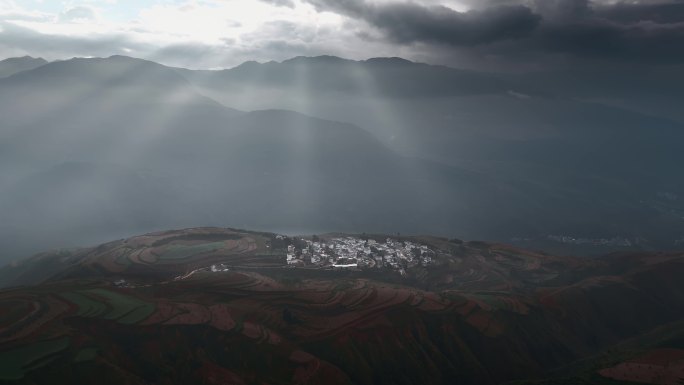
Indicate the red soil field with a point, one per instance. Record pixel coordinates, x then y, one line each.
659 367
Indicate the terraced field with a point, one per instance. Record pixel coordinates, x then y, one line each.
33 334
251 324
163 255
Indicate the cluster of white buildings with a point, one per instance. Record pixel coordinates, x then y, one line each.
122 283
219 268
352 252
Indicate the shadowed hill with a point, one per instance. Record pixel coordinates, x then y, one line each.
155 297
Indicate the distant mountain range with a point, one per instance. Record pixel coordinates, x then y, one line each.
217 306
11 66
92 149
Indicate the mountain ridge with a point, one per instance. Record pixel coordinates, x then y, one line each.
14 65
442 165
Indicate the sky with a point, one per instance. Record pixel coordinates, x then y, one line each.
485 34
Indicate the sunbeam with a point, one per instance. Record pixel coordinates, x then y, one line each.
341 192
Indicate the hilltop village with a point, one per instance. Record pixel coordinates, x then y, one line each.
357 253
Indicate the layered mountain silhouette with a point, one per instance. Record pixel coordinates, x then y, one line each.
576 136
11 66
394 146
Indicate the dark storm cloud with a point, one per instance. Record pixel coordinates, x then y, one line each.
411 22
642 42
638 32
646 31
665 13
555 10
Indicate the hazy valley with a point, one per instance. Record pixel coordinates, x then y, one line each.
93 149
392 192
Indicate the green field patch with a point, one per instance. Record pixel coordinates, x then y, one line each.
175 251
136 315
123 260
87 306
101 303
123 308
87 354
502 302
14 364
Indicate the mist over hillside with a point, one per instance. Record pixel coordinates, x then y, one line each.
11 66
93 149
342 192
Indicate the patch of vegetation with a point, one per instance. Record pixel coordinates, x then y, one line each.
87 354
222 236
343 285
14 364
101 303
87 307
123 260
186 251
124 309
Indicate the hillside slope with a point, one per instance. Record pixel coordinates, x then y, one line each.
11 66
260 321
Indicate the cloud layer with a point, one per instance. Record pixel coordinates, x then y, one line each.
220 33
408 22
